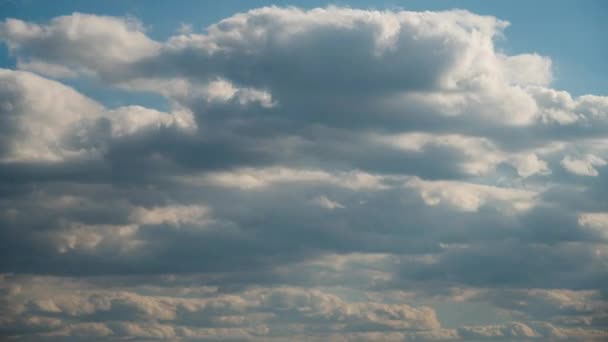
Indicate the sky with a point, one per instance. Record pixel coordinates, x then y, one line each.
303 171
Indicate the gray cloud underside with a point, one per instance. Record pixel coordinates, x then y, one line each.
331 174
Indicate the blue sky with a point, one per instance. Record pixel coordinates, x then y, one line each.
365 171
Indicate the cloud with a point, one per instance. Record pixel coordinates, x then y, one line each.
48 121
289 192
470 197
259 178
597 222
265 313
481 155
88 238
174 215
258 311
80 42
36 111
583 167
513 330
325 202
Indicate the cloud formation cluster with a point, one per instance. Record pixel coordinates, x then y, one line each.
325 174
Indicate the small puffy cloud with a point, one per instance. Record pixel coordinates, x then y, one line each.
583 166
597 222
471 197
223 91
172 215
324 202
81 42
529 164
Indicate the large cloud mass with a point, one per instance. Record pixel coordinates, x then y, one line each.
325 174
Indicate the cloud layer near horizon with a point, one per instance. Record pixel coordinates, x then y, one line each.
326 174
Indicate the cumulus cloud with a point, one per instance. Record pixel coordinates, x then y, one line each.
48 121
584 166
325 202
76 43
470 197
289 193
595 221
259 311
35 112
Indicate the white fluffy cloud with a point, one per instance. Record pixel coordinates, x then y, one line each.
45 120
471 197
35 114
584 166
76 43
